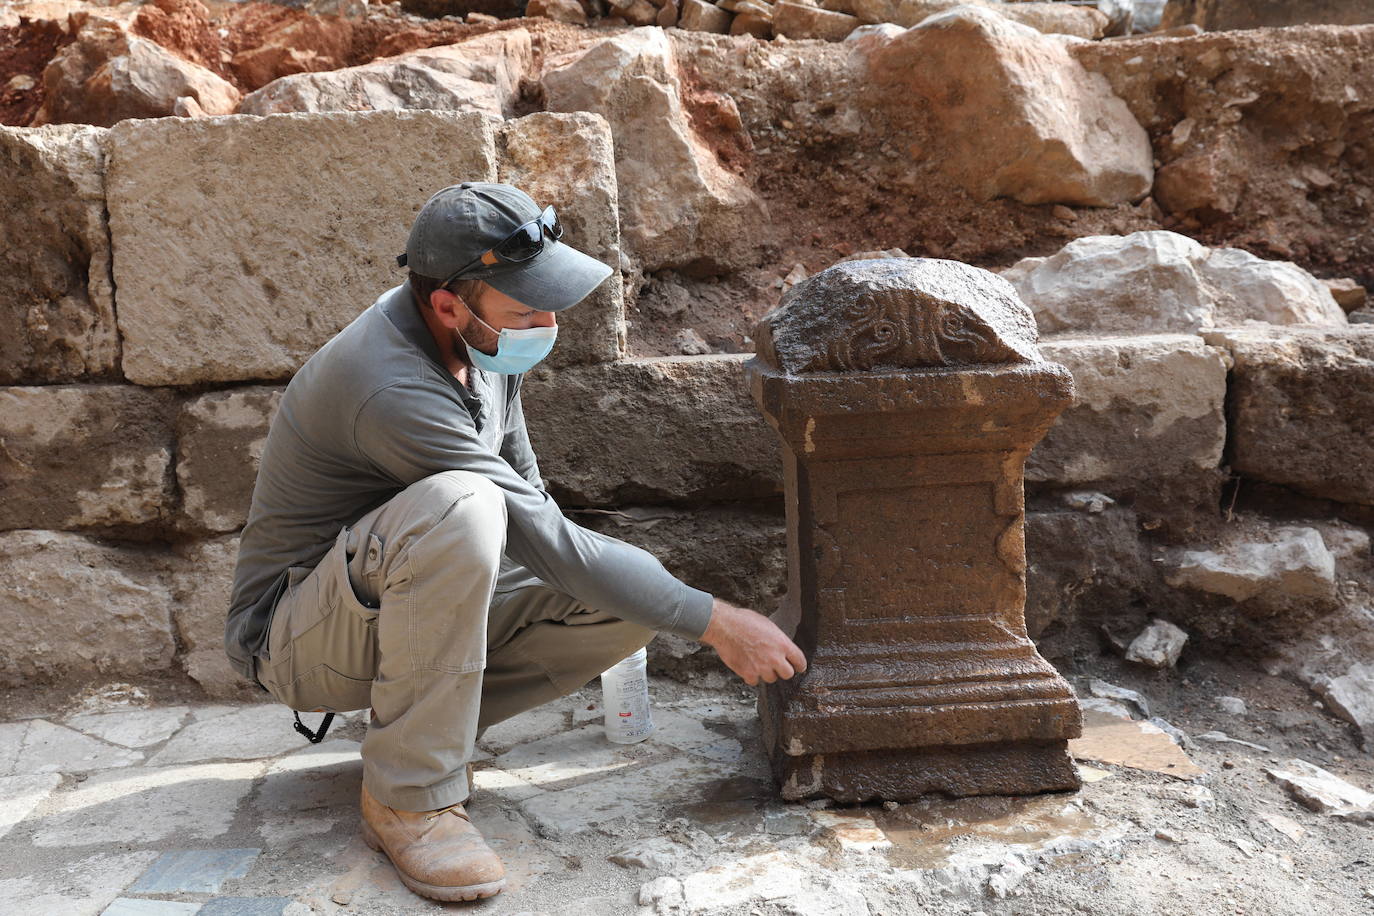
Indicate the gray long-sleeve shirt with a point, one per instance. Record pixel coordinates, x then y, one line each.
374 411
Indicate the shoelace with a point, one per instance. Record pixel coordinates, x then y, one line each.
459 813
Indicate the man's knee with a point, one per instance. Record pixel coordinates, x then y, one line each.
463 497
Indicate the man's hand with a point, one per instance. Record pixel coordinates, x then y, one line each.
751 645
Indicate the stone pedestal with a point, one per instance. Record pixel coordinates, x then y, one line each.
907 393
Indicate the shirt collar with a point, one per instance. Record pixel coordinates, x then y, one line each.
401 310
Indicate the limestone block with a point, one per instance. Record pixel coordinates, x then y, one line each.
639 12
107 75
480 74
796 20
1283 560
242 244
752 24
56 301
79 456
1015 114
201 578
1302 408
700 16
219 443
666 429
738 554
568 160
1249 288
558 10
1156 280
676 200
1057 18
1145 409
76 608
1082 566
755 24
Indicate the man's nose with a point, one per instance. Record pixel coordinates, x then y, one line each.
545 320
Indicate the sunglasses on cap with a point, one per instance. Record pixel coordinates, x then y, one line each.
524 243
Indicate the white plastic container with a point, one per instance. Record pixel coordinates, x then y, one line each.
625 697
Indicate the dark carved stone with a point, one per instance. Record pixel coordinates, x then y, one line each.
898 313
908 393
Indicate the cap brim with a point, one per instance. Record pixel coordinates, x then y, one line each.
560 277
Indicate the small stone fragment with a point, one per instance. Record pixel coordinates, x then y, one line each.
1223 738
661 893
1286 826
1348 294
1112 692
689 342
1233 706
1320 790
1159 645
1087 501
656 854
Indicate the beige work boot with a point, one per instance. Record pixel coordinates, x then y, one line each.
438 854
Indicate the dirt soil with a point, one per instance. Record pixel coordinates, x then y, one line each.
25 50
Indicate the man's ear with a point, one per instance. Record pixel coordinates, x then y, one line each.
448 306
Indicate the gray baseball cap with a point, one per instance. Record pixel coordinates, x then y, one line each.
461 222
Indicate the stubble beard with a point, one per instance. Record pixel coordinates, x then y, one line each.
477 336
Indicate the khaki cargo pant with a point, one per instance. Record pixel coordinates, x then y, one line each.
410 614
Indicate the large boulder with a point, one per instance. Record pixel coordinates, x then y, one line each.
1058 18
1015 115
243 244
1254 14
84 456
1302 408
285 41
1153 281
684 430
219 443
108 74
1147 420
75 608
677 201
480 74
56 297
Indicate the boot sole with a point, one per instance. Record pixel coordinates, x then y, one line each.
433 891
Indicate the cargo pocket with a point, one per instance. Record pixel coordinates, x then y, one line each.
299 608
322 689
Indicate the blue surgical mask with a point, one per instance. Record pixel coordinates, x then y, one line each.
517 349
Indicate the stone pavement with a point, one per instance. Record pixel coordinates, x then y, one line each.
118 806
